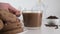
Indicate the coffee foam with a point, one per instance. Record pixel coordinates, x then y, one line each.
32 11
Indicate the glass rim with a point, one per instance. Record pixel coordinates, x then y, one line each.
32 11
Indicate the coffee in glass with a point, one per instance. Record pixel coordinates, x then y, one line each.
32 19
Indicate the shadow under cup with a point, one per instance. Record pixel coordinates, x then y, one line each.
32 19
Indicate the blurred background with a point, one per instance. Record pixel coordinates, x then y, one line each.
50 7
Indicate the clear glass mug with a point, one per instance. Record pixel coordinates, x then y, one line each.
32 19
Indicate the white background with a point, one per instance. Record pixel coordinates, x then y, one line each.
52 6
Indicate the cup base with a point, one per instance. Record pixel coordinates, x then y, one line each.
32 28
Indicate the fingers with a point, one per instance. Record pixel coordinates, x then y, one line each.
14 11
18 13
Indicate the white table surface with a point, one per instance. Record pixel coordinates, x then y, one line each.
44 30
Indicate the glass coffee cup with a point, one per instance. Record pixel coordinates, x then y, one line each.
32 14
32 19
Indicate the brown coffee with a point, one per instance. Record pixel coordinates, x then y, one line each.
32 19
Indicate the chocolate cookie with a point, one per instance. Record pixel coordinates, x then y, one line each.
7 16
1 24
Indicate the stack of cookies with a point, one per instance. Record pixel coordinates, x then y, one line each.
9 23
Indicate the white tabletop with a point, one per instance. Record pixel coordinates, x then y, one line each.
44 30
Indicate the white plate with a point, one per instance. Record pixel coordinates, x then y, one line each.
23 32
